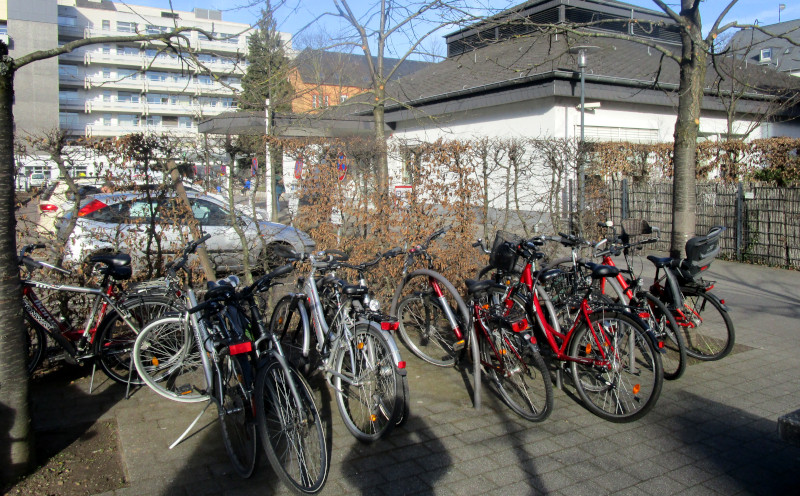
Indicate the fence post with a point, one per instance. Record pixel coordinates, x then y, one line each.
624 199
739 219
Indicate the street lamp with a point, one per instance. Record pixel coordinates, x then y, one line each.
581 51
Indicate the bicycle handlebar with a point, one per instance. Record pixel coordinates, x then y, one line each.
173 266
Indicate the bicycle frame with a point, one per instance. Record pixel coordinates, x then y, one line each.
41 316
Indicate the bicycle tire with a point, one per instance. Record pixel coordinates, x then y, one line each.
114 340
290 428
622 393
35 341
369 410
167 359
286 324
708 331
673 346
528 395
425 330
235 410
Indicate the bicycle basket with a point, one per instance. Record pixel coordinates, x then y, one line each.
504 255
633 228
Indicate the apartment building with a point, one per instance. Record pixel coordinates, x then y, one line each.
113 89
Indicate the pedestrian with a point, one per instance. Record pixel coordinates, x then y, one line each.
279 190
108 187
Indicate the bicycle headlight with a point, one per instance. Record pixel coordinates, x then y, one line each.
373 305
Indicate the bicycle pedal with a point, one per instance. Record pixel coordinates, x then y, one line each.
184 390
459 345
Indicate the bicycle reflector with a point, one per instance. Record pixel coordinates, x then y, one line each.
238 349
47 207
519 326
390 326
401 365
92 206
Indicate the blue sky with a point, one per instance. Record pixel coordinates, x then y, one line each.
297 14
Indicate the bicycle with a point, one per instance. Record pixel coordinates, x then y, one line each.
432 319
509 353
108 333
352 342
612 354
645 304
700 315
228 357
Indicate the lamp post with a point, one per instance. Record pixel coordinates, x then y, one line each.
581 51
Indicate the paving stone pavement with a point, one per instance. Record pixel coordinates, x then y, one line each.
712 431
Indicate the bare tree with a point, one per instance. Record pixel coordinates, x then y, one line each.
17 455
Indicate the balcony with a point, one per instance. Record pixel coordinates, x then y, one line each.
113 105
180 108
101 130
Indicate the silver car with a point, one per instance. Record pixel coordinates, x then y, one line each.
120 221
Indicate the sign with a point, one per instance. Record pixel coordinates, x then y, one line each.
298 168
254 168
341 166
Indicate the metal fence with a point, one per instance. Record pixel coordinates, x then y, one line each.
763 221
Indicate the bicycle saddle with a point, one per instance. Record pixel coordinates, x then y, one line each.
601 271
116 265
474 286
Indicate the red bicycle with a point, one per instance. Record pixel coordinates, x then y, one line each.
433 318
612 354
110 329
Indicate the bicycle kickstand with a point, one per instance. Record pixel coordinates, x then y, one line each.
191 426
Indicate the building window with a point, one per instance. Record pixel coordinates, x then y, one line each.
203 79
327 102
157 99
68 120
107 49
127 97
315 101
185 122
342 98
127 74
106 119
69 21
106 25
766 55
128 120
68 71
126 27
152 29
68 96
106 96
106 73
4 28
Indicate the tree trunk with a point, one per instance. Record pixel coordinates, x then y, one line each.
197 233
16 441
690 95
380 140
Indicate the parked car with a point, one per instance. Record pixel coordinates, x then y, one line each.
120 221
37 180
59 200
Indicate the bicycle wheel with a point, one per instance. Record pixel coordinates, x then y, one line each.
672 345
425 330
706 326
287 325
368 386
114 340
167 359
35 341
235 409
291 429
520 374
624 379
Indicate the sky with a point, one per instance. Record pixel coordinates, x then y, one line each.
295 15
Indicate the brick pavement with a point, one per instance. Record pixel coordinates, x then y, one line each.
712 431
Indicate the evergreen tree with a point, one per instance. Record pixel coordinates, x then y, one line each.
266 74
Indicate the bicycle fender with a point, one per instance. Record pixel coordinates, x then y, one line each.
392 344
301 299
714 297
